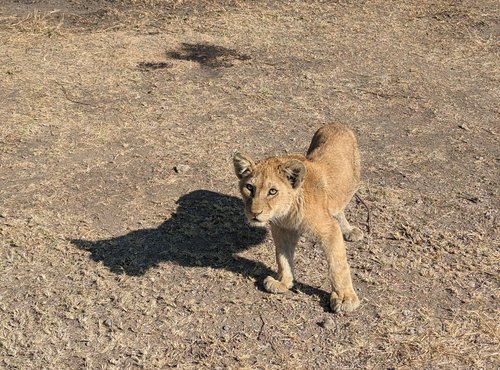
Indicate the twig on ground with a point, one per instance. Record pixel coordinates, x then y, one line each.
66 95
368 217
389 96
261 327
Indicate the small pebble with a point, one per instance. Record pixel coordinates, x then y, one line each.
182 168
328 324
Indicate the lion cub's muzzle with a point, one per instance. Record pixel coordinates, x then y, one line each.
255 218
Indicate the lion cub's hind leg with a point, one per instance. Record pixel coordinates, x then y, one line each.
350 233
285 242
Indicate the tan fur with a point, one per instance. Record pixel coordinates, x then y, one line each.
311 194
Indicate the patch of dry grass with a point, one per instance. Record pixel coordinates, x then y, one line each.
104 264
36 22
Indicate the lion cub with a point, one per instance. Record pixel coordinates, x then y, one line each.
297 194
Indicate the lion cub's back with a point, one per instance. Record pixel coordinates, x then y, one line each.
334 147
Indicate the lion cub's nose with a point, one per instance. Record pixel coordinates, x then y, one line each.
255 214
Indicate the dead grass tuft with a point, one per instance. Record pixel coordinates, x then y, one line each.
37 22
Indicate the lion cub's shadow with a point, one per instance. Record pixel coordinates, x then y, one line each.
208 229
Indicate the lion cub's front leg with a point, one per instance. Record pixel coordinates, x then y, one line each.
343 297
285 242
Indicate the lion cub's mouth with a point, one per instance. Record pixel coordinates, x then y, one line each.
255 222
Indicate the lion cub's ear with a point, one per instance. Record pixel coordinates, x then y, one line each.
295 172
243 165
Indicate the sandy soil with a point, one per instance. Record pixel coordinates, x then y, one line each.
122 240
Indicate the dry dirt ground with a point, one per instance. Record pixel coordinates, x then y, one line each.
122 240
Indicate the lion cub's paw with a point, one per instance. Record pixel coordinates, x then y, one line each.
354 235
275 286
346 303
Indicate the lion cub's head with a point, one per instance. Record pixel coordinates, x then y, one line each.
268 187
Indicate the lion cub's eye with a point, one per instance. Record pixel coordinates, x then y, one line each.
272 191
249 187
